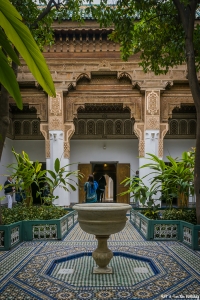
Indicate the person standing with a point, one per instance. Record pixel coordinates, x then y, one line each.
9 190
90 188
101 188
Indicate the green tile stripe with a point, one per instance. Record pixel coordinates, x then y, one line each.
13 259
187 256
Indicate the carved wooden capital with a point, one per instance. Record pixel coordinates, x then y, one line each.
139 132
44 128
69 130
163 130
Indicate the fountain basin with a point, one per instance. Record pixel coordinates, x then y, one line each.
102 218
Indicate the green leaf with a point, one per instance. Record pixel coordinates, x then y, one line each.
57 165
20 36
38 167
8 80
8 48
53 175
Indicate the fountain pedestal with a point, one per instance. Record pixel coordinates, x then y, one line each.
102 255
102 220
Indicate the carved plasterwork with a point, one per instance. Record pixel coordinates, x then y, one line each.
139 132
56 124
163 131
104 65
55 105
47 148
69 130
153 103
152 122
40 103
66 150
124 75
169 103
56 112
44 128
83 75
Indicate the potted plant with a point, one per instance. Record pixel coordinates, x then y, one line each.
46 221
145 195
174 179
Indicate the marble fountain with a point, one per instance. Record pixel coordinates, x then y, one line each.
102 220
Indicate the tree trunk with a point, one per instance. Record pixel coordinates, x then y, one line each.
197 167
187 14
4 117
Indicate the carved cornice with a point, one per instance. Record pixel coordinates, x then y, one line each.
73 103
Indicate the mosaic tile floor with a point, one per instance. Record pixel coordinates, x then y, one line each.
62 269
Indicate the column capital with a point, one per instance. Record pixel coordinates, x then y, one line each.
153 85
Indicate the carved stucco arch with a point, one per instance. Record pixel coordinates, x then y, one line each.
121 75
71 85
83 75
169 103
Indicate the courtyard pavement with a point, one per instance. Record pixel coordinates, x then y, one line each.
63 269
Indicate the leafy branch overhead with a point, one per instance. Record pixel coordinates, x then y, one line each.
13 32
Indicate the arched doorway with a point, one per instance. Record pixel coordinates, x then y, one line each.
114 170
108 169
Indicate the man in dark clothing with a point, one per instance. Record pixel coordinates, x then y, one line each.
101 188
9 190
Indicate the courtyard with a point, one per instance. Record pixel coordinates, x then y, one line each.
63 269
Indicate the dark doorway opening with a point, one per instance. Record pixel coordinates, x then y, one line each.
106 169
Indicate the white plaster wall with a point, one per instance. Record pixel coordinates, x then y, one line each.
35 150
122 151
85 151
176 147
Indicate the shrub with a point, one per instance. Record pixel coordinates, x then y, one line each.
188 215
21 212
